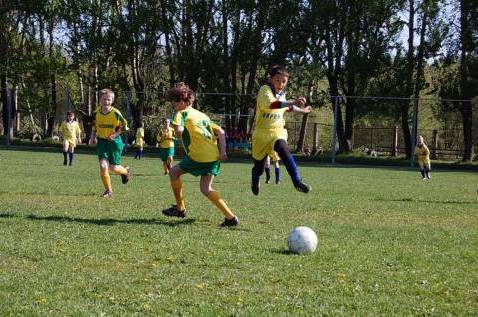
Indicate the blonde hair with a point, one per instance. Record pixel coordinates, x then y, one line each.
107 91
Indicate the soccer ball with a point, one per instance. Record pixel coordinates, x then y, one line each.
302 240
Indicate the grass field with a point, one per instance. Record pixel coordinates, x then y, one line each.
390 243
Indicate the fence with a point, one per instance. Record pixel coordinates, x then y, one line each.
375 126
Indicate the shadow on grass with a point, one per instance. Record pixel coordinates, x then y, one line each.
7 215
408 199
282 251
101 221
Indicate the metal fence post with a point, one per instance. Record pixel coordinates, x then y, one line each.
9 127
414 131
334 132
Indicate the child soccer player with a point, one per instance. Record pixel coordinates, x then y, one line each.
71 136
423 156
107 126
269 133
139 141
200 138
267 168
166 146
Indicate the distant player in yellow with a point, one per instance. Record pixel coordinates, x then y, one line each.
200 138
139 141
423 156
166 145
269 134
70 130
107 126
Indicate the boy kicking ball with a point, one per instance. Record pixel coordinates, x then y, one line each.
200 138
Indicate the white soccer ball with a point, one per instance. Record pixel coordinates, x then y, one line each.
302 240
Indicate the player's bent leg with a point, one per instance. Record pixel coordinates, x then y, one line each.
179 209
125 172
282 149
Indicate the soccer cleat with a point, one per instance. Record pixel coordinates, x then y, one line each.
303 187
107 194
173 211
125 177
267 181
65 162
230 222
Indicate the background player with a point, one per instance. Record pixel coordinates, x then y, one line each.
423 156
107 126
166 145
70 130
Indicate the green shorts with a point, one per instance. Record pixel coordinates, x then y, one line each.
199 169
164 153
110 150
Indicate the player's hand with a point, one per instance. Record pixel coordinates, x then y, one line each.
112 136
223 156
307 109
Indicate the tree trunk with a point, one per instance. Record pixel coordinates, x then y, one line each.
4 97
51 118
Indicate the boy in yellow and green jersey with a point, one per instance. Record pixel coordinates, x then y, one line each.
107 126
139 141
423 156
200 138
70 130
166 146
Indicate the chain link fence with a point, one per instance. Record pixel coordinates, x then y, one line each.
377 121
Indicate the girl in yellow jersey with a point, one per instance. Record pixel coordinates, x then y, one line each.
200 138
70 130
107 125
270 136
166 146
139 141
423 156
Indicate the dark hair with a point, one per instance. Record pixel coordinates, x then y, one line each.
70 112
180 92
278 70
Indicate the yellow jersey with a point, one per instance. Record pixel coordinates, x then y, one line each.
199 137
423 153
105 124
139 140
269 123
70 130
267 118
166 138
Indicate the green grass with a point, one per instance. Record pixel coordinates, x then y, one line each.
390 243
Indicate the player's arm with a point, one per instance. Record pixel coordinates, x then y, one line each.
302 110
178 124
221 140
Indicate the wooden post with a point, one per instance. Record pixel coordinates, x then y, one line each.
434 145
395 141
315 138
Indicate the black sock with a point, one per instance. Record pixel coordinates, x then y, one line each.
268 174
70 154
423 172
65 158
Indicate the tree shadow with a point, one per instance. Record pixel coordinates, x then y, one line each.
408 199
101 221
